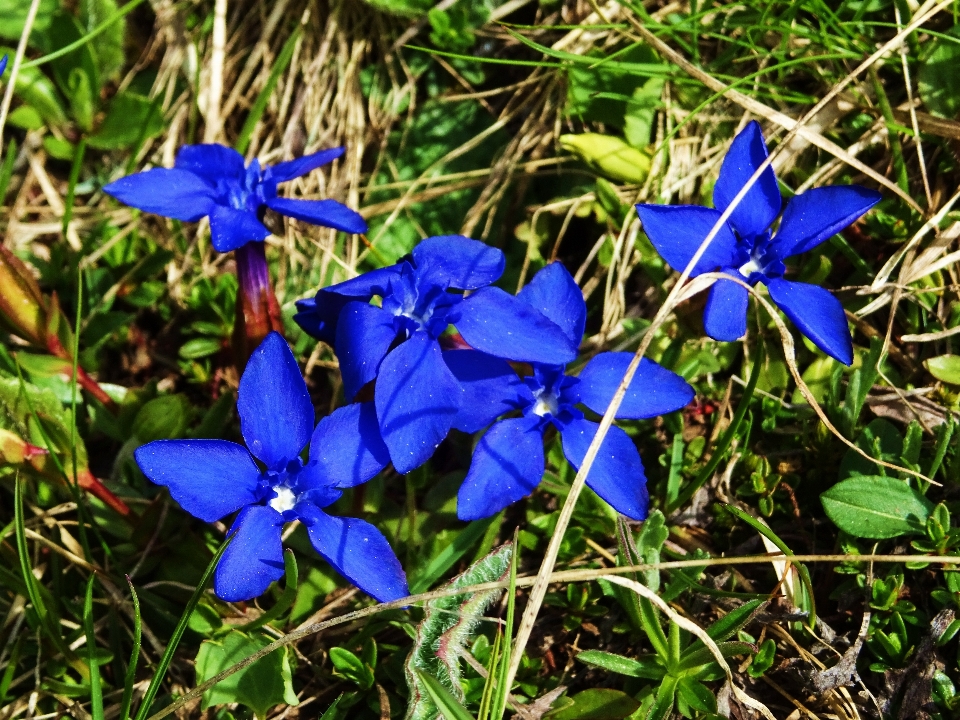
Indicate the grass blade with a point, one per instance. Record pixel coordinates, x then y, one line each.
131 675
260 104
171 648
96 691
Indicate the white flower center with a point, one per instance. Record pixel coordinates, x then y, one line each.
749 267
546 404
285 499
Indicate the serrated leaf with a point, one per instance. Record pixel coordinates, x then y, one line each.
876 507
447 626
596 704
261 686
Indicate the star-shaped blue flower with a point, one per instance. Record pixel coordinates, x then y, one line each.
214 478
417 396
508 462
211 180
747 248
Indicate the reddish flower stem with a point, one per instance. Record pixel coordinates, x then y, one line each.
258 311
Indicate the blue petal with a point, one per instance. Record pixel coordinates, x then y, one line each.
282 172
818 214
360 553
231 228
3 65
327 213
364 335
318 316
254 558
554 293
617 473
491 388
725 316
676 231
346 448
458 262
364 287
502 325
761 205
653 391
417 398
176 194
208 478
276 415
507 466
212 162
817 313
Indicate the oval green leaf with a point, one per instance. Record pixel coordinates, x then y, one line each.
945 368
876 507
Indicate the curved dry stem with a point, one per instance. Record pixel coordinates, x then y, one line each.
539 589
789 352
526 581
695 629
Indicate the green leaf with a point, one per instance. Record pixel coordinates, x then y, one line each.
57 148
596 704
649 669
109 51
403 8
82 92
876 507
13 17
638 120
448 706
351 667
945 368
444 560
881 440
163 418
261 686
696 695
200 348
25 117
609 155
938 81
734 620
131 119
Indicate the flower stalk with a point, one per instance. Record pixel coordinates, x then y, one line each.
258 312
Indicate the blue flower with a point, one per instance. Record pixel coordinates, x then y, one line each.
3 65
508 462
213 478
747 249
211 180
416 394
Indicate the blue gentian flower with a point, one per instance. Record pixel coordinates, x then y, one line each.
397 343
211 180
508 462
747 248
213 478
3 65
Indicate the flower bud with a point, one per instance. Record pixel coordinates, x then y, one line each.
14 450
609 156
21 304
